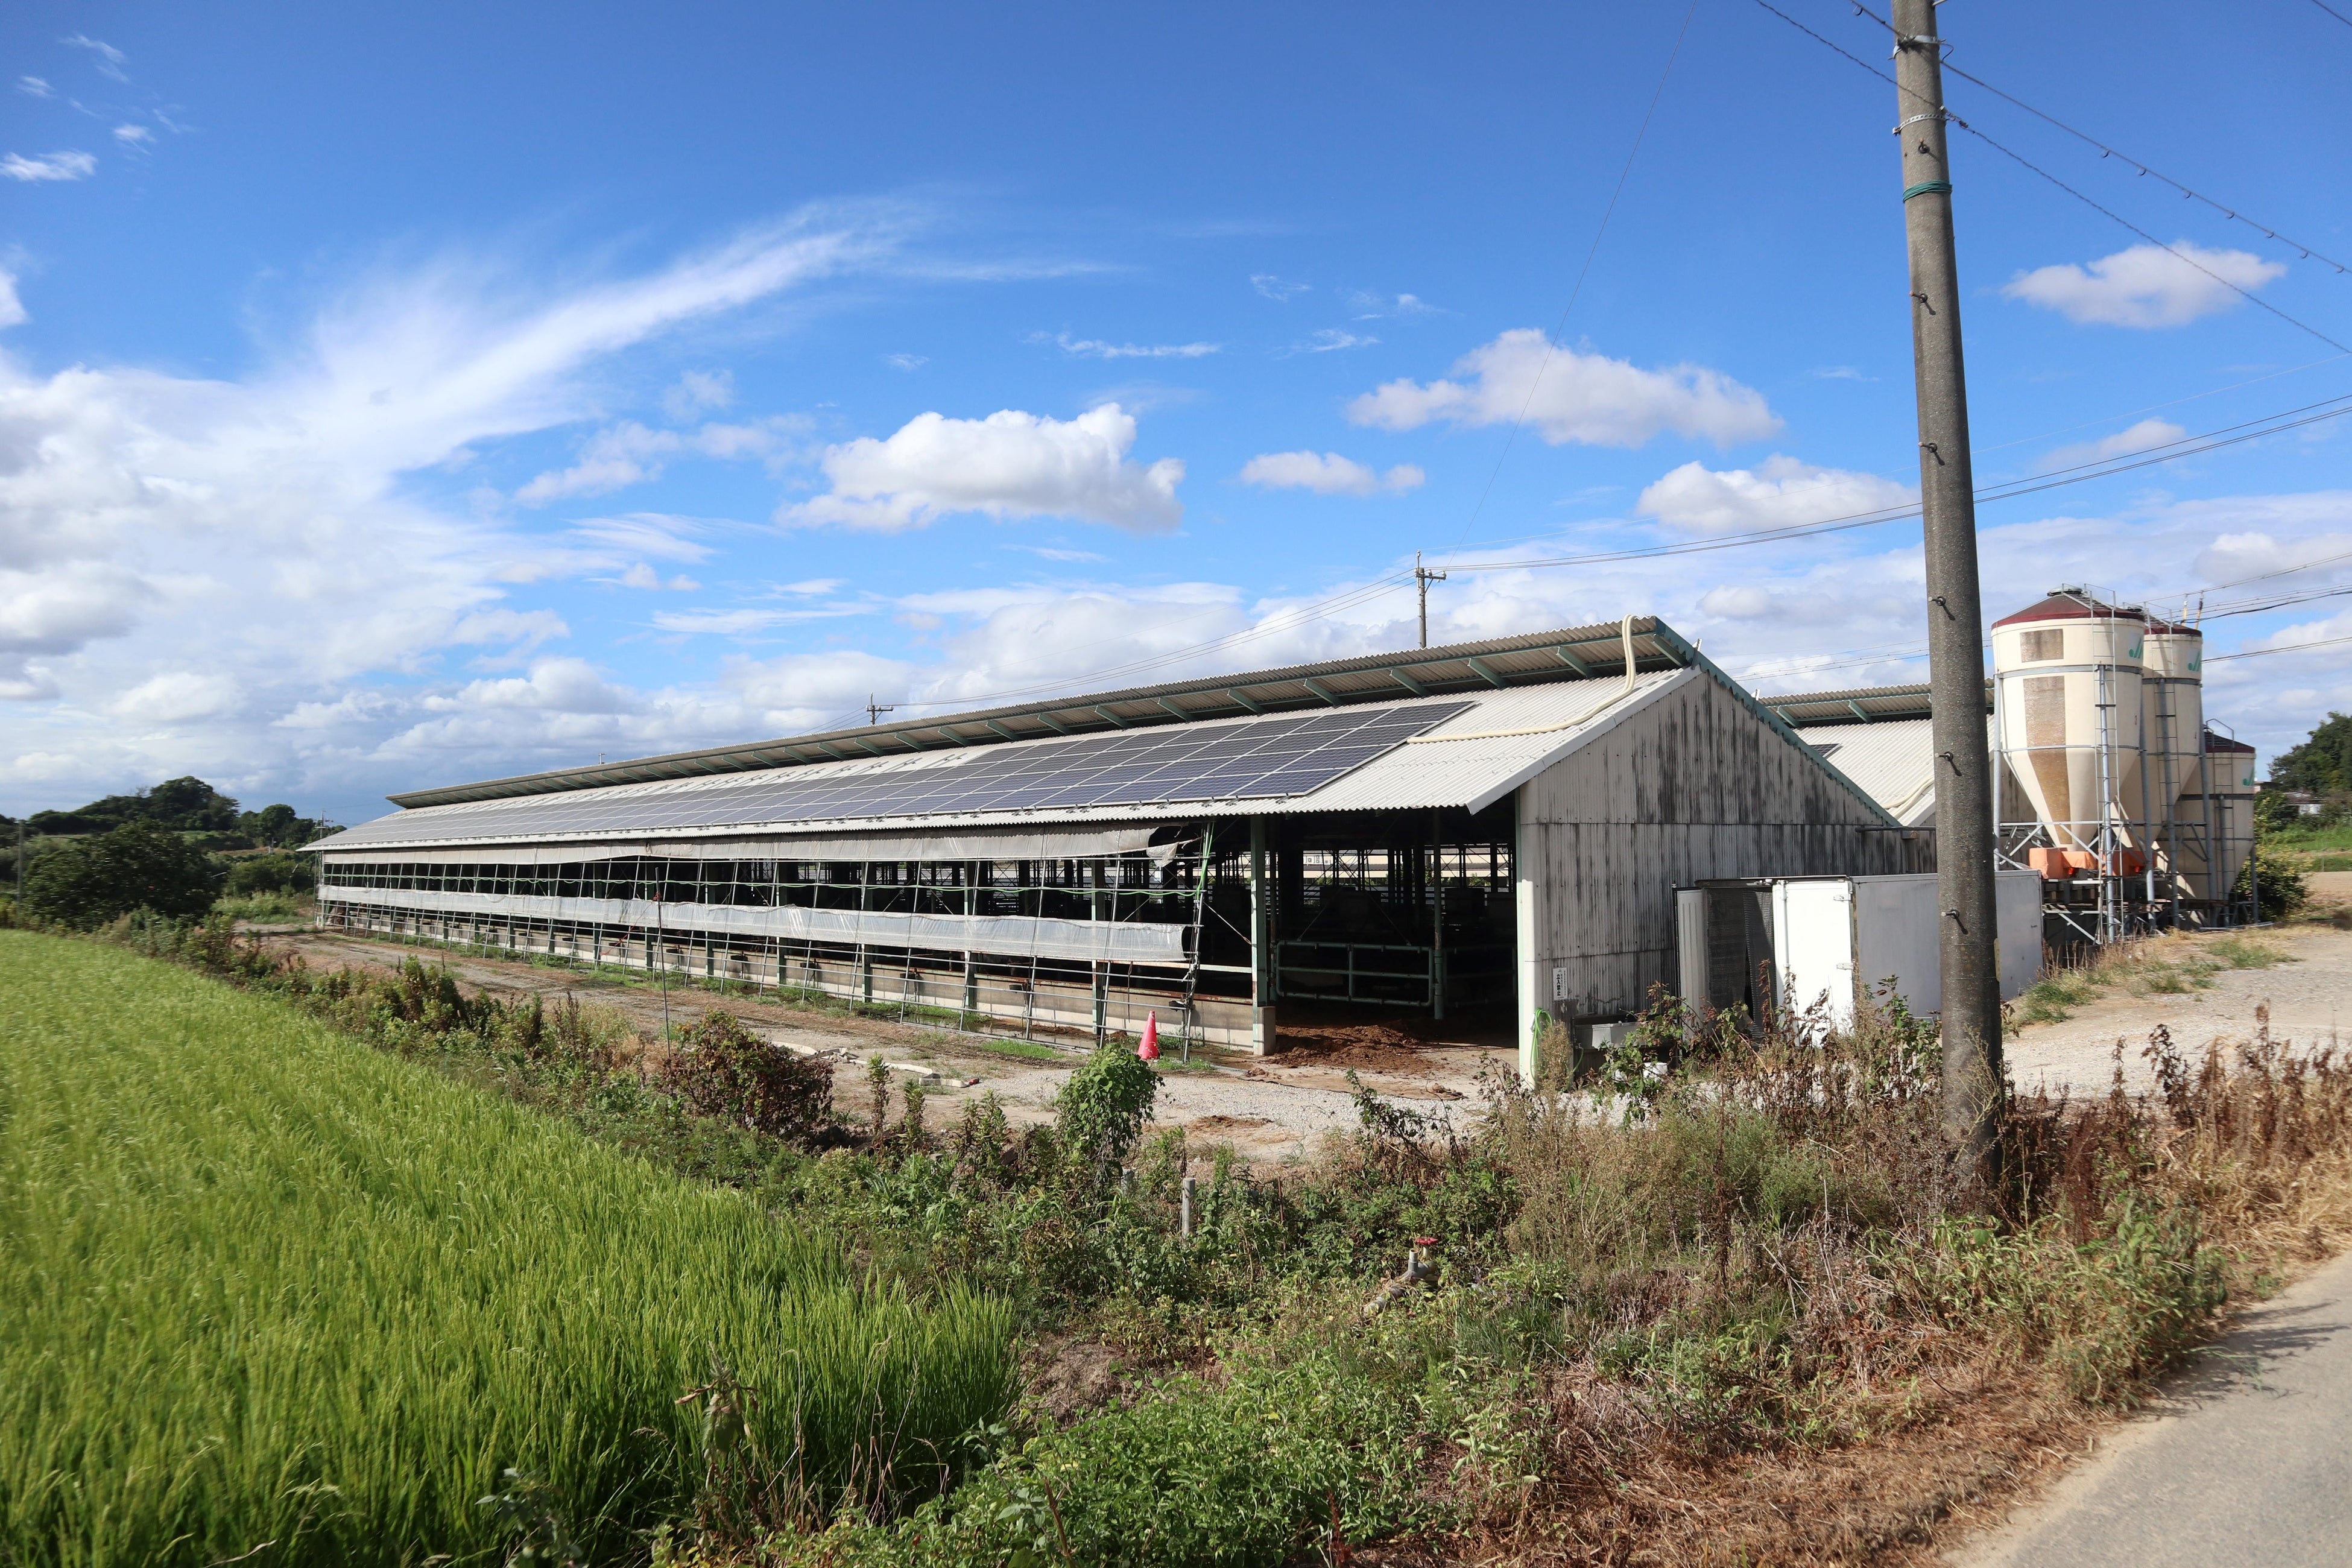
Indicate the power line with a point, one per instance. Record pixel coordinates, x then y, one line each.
2026 163
2190 446
1552 345
2291 648
2107 151
2332 12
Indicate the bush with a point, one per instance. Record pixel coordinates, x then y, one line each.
1104 1105
90 881
723 1070
2280 887
284 871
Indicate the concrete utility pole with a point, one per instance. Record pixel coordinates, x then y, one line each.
1422 579
1964 854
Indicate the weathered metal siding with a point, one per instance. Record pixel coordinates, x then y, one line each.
1693 786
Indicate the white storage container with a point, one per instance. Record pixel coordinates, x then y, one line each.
1841 938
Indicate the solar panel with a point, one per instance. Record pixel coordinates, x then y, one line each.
1247 759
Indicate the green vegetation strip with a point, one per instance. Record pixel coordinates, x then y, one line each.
259 1284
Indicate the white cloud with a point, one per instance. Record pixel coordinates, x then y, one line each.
1009 465
36 86
1778 492
174 698
1094 348
109 58
133 135
12 308
1055 553
654 533
1379 307
276 523
697 389
1331 340
1276 288
644 576
630 453
516 630
905 361
48 166
554 685
2146 286
1584 397
1326 473
2142 436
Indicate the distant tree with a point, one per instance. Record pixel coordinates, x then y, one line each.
277 827
281 871
136 866
2322 764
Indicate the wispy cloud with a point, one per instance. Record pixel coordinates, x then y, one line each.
905 361
1331 340
1839 372
1095 348
2142 436
37 86
110 60
1056 552
1327 474
48 166
1278 289
133 136
1384 307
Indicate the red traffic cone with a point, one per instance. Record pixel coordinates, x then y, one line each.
1150 1049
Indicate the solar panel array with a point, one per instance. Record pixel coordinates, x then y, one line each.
1250 760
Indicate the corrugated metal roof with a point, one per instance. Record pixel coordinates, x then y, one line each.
1856 705
1891 761
1472 759
1572 653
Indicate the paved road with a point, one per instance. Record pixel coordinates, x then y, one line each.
2250 1462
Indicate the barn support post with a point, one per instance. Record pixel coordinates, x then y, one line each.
1527 847
1262 958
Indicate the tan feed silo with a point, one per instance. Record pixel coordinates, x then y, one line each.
2172 725
2072 712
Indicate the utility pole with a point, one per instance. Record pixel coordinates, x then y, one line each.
1422 578
875 711
1956 675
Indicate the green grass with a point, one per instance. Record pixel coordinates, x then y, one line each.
259 1283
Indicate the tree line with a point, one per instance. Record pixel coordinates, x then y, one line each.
176 848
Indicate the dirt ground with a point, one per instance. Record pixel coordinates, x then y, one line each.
2309 999
1271 1109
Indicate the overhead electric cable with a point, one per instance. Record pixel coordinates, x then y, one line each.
2106 152
1551 343
2332 12
2032 167
2291 648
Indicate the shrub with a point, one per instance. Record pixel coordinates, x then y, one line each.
283 871
137 865
1103 1106
722 1069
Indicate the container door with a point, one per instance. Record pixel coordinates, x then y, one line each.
2017 904
1898 939
1813 946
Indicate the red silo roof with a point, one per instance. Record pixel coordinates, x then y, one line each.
2063 606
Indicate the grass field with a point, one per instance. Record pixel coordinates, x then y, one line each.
260 1284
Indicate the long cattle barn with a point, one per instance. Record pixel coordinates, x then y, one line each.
1483 836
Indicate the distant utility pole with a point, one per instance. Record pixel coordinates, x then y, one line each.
874 710
1422 577
1956 673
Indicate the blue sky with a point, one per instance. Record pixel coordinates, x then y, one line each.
398 398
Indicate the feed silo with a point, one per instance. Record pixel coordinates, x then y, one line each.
2071 715
2172 726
